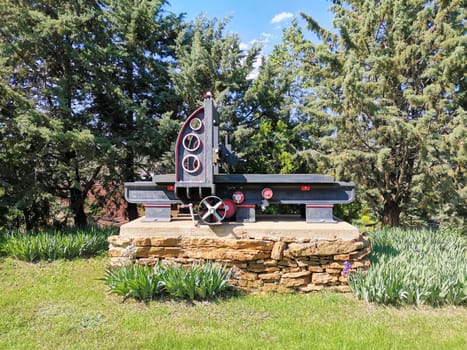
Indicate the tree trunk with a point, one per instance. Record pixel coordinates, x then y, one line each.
77 206
391 213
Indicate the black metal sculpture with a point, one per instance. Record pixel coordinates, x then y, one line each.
198 183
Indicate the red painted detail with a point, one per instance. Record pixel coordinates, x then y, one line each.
229 208
180 137
157 205
170 188
246 206
208 94
320 205
267 193
305 188
238 197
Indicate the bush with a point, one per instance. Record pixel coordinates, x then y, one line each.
414 267
53 245
197 282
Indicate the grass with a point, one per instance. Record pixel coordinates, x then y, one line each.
66 305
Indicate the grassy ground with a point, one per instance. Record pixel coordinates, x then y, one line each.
65 305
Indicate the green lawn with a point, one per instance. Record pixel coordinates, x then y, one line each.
65 305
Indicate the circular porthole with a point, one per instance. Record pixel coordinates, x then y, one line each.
191 163
191 142
196 124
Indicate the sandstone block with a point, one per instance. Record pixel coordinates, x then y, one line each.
295 282
323 278
270 262
287 262
119 241
296 274
253 267
342 257
271 269
277 250
360 254
248 276
315 269
275 276
322 248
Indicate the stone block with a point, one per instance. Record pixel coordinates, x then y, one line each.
296 274
277 250
315 268
295 282
275 276
256 267
119 241
323 278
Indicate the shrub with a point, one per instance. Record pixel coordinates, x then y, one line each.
197 282
53 245
414 267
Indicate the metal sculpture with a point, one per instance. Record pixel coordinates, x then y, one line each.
198 182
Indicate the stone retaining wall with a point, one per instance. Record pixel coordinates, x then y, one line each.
267 264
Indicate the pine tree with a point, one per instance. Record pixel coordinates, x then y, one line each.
391 83
43 53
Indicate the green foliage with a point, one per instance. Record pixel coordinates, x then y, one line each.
144 283
62 305
416 267
391 84
52 245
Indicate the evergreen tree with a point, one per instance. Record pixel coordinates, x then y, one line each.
47 143
85 89
133 97
391 83
281 134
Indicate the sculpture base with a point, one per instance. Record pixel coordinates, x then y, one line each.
272 254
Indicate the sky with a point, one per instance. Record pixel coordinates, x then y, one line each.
255 20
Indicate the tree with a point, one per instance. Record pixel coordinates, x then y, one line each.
209 59
44 73
282 133
86 84
132 89
391 83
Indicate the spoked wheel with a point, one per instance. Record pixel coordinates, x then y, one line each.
212 210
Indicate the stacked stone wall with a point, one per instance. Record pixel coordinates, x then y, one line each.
267 264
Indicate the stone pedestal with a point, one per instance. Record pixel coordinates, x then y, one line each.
272 254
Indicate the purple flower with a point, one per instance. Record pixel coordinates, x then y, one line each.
347 267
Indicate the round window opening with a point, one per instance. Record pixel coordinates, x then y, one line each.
191 163
191 142
196 124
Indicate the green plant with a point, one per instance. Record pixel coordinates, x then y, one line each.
52 245
414 267
196 282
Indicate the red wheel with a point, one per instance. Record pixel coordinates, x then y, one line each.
212 210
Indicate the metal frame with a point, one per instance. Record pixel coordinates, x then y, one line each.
190 186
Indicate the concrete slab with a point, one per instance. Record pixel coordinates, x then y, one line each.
267 226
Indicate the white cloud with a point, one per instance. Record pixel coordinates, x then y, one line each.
281 17
243 46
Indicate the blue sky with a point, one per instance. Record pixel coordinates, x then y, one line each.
255 20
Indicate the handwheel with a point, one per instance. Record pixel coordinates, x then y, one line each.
212 210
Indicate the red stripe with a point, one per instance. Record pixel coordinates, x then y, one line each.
179 139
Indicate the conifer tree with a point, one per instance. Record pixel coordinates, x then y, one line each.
391 83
